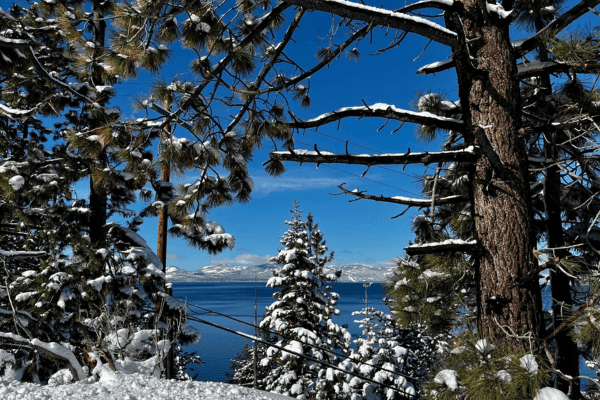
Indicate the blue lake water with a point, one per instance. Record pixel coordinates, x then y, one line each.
236 299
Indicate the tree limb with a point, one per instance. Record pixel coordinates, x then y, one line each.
406 200
381 110
438 66
442 247
326 157
381 17
549 67
40 346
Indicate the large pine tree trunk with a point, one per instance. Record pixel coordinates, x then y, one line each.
98 195
489 93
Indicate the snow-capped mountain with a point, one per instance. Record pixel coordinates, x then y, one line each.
262 272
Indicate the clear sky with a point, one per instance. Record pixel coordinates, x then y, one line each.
358 232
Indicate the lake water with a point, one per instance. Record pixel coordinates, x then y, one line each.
236 299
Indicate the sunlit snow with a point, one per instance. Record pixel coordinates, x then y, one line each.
132 387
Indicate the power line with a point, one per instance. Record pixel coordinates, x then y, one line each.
402 392
291 338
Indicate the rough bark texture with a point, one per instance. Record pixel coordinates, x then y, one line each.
503 220
98 195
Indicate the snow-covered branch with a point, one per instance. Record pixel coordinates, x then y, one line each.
22 254
420 5
381 110
407 201
442 247
326 157
437 66
15 114
16 43
381 17
53 351
549 67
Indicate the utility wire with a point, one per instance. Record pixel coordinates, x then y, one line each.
408 377
259 340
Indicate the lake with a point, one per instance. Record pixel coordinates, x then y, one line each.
236 299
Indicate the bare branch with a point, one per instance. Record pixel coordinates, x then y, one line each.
381 110
381 17
22 254
406 200
442 247
438 66
419 5
549 67
326 157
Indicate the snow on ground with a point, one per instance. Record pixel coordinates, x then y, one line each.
133 387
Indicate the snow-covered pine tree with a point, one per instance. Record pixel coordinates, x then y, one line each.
302 315
398 358
379 357
70 276
241 370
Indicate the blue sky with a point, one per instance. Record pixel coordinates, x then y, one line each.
358 232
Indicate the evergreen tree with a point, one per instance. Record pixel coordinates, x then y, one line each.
302 314
71 275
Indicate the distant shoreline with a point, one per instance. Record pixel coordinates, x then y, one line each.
252 281
352 273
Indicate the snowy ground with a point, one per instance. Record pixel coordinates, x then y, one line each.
133 387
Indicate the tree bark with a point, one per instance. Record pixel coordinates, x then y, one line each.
486 69
98 195
161 251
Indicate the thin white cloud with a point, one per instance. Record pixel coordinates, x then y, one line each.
242 259
173 256
266 184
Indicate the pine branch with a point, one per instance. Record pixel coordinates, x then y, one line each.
22 254
438 66
261 77
442 247
381 17
326 157
405 200
549 67
14 43
420 5
60 83
381 110
216 70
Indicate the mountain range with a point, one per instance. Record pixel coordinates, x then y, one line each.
262 272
